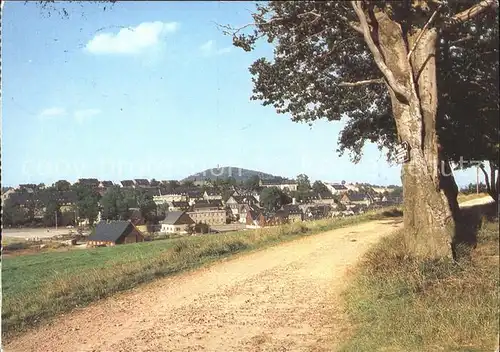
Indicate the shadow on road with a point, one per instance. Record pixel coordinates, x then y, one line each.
468 226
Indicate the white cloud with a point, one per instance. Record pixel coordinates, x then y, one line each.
210 49
86 114
131 40
52 112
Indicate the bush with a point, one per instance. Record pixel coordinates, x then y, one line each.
16 246
392 213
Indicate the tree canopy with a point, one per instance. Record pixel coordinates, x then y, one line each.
114 205
323 69
303 183
87 205
389 68
273 198
319 187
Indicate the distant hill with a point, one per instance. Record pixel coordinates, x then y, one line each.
224 172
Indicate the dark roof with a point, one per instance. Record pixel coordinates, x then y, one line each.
292 209
173 217
194 193
307 199
141 182
107 183
325 195
212 193
170 192
357 197
204 205
89 181
28 185
127 183
215 202
191 192
167 181
339 187
110 231
180 204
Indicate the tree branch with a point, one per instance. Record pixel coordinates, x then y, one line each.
352 24
422 32
227 29
361 83
471 12
493 182
461 40
398 88
308 13
486 178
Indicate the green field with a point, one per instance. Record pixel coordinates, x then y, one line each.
39 286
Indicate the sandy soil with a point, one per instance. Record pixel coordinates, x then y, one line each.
41 233
279 299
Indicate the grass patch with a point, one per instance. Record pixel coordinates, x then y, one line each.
16 246
399 303
465 197
40 286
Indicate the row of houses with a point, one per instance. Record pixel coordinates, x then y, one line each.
209 207
244 208
111 233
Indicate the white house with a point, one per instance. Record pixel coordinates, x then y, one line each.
176 222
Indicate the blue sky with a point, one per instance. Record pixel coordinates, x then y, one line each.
86 97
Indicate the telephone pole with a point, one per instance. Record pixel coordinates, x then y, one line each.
477 179
56 220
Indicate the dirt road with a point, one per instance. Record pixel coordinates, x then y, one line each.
26 233
283 298
477 201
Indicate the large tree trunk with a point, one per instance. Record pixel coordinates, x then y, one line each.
429 211
492 181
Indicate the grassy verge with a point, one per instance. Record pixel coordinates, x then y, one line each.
465 197
40 286
398 303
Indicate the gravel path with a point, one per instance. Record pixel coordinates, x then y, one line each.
283 298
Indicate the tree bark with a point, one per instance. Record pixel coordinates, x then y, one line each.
492 181
430 206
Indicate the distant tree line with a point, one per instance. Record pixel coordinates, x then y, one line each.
65 204
472 188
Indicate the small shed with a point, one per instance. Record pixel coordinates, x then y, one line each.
115 232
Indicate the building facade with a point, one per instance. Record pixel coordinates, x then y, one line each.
208 216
